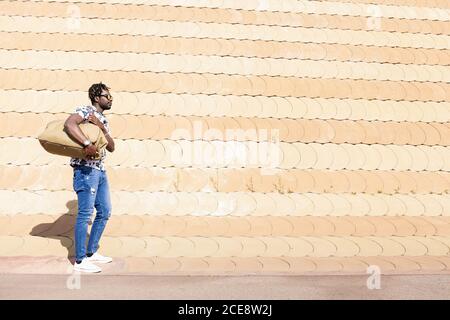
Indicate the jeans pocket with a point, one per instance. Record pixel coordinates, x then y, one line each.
80 180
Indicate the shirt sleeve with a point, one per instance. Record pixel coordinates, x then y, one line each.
83 112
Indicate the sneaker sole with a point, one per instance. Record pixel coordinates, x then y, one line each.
87 271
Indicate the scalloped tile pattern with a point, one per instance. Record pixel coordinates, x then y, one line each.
257 137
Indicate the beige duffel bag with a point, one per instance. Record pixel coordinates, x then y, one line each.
56 141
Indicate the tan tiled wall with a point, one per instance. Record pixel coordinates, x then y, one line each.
356 94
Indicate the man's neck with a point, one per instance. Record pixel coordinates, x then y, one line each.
97 107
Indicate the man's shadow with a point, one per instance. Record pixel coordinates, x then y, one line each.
61 229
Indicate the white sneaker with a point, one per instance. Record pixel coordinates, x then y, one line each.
96 257
86 266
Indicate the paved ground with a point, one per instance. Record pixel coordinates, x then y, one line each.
24 286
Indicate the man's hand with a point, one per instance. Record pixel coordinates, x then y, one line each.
93 119
90 152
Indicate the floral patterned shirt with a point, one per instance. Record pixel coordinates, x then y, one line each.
84 112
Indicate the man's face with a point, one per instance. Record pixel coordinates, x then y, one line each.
105 100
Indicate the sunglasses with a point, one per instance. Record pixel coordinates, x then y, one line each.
107 96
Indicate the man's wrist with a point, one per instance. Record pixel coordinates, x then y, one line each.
86 143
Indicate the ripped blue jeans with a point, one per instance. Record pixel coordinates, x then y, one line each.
91 186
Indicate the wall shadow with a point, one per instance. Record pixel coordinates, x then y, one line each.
61 229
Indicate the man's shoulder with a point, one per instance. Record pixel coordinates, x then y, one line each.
83 108
83 111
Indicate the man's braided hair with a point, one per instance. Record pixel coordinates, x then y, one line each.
96 90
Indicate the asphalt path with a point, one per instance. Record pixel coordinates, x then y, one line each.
97 286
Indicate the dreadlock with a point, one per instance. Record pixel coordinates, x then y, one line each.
96 90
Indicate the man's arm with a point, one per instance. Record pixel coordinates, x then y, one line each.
93 119
110 147
71 127
73 130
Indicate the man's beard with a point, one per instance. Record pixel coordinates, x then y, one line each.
107 107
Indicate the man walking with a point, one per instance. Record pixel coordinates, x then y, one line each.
89 179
